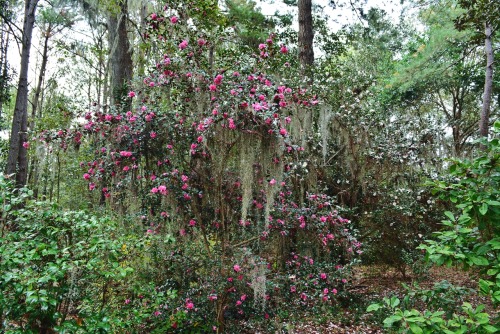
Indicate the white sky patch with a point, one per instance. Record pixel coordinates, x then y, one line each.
340 16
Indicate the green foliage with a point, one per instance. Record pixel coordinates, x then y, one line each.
250 24
476 13
55 264
402 320
443 296
471 239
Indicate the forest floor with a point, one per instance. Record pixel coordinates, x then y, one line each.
370 285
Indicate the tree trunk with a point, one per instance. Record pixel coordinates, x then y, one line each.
120 54
488 83
306 59
306 34
4 75
41 75
17 162
32 175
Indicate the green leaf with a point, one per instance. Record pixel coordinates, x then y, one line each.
483 209
491 272
373 307
394 302
484 286
391 320
496 126
490 329
479 260
449 215
416 328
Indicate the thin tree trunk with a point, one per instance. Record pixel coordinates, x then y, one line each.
120 54
17 161
306 34
488 83
4 45
306 59
41 75
32 175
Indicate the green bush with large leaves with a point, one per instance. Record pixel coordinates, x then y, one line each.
58 268
470 237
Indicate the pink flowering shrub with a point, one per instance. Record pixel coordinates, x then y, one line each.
207 156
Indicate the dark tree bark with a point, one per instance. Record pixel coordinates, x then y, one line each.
488 82
4 72
120 56
17 161
306 34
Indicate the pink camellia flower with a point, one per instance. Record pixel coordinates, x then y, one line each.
126 168
212 88
212 297
91 186
262 46
127 301
192 222
218 79
86 176
303 296
174 19
199 139
183 44
154 16
293 289
154 190
243 297
325 291
189 305
237 268
26 145
334 291
201 42
162 189
283 49
131 94
283 132
322 276
238 303
108 117
272 182
152 135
